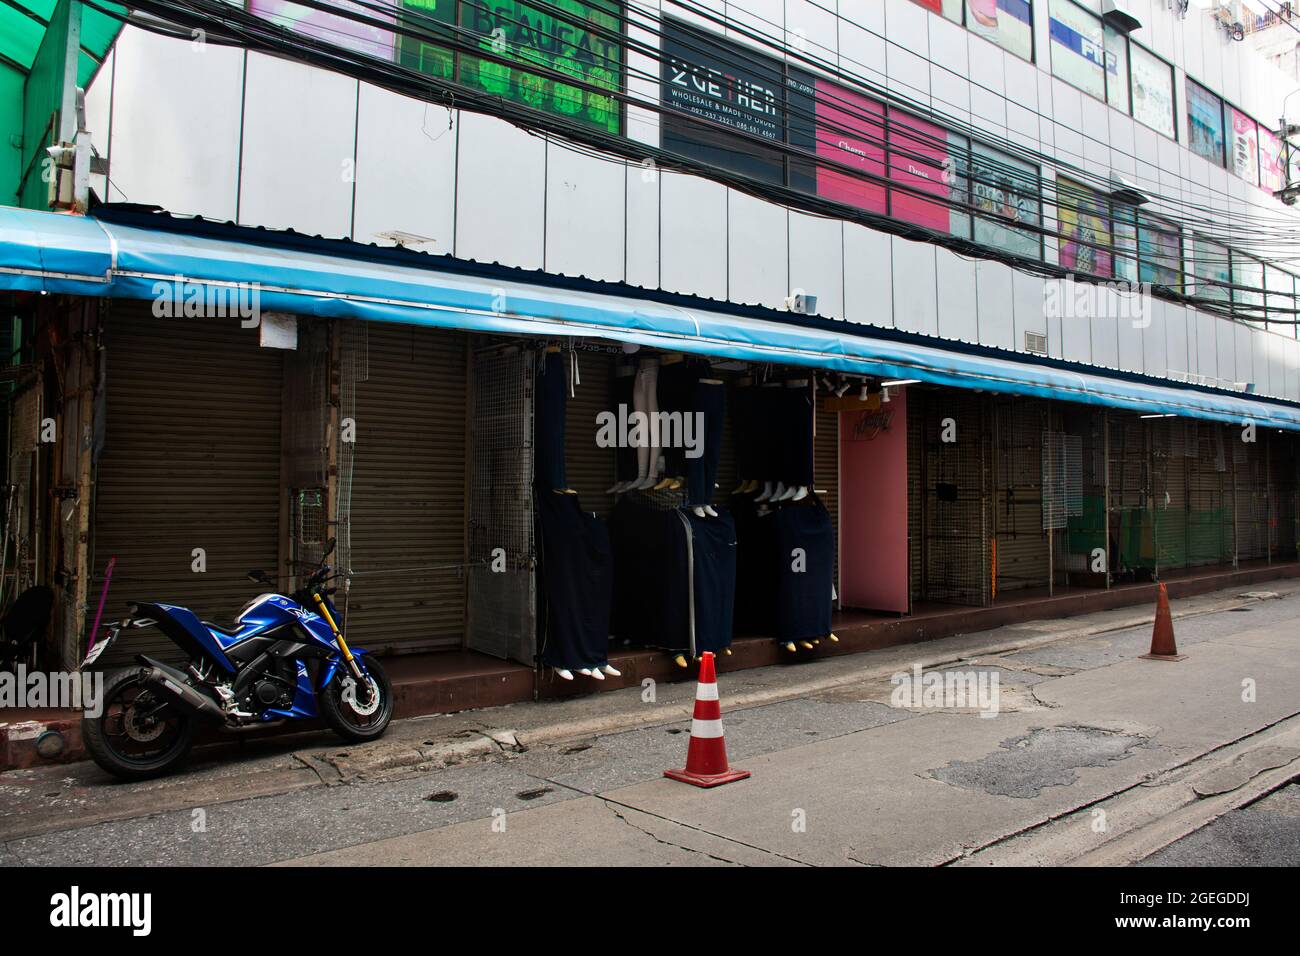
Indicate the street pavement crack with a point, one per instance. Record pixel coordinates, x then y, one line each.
613 808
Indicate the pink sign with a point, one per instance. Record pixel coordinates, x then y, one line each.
851 132
331 27
1245 147
873 506
1272 164
919 162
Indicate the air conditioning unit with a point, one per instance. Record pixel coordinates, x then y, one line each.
1117 14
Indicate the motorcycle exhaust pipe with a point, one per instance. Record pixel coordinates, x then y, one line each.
171 683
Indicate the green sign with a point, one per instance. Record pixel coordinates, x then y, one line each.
524 35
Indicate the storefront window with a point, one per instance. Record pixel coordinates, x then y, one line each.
1213 270
1153 90
1117 70
1008 23
1126 242
1272 161
1248 277
1160 251
1245 146
1007 191
1205 124
1085 229
525 35
1280 299
1078 51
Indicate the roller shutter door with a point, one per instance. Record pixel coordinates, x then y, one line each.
408 492
1022 560
826 472
191 460
589 468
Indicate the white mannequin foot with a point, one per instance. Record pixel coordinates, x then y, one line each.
645 484
785 495
562 673
779 492
595 674
584 671
698 511
611 670
708 510
800 493
766 492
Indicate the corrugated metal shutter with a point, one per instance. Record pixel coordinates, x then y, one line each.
590 468
191 460
1252 499
1022 560
1209 516
408 492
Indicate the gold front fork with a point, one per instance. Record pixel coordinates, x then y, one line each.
338 636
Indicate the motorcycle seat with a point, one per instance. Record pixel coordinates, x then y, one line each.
227 631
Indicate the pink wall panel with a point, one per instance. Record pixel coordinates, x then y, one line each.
873 507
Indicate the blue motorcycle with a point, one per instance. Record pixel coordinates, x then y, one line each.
284 659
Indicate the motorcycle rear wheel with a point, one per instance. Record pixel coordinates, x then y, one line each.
137 734
347 718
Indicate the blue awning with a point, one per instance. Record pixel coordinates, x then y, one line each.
86 256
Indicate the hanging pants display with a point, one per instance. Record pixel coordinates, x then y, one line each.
795 421
577 582
674 577
551 403
708 402
804 552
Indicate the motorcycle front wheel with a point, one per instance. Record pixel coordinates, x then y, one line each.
355 716
137 734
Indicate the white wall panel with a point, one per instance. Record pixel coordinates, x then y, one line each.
957 292
1028 307
1176 350
299 151
1128 328
817 261
868 276
1207 348
501 200
643 226
585 204
176 143
758 253
693 236
406 169
1104 328
1155 342
916 306
1226 351
995 285
1244 365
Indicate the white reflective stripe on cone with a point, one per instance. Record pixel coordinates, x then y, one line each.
706 692
706 729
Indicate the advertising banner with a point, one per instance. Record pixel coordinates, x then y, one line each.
1245 146
851 132
1205 123
526 34
920 160
1272 161
732 90
1085 229
1153 91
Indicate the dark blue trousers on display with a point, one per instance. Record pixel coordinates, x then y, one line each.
577 582
710 401
805 579
713 555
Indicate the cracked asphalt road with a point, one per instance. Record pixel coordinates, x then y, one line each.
840 775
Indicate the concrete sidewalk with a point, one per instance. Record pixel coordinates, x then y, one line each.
1090 720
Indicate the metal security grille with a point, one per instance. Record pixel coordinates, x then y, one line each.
354 369
18 558
306 445
955 488
1020 558
1209 496
1080 550
1131 534
1283 463
502 547
1252 499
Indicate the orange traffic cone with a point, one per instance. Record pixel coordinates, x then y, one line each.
1163 647
706 757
